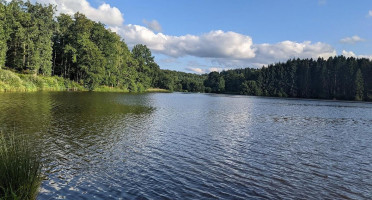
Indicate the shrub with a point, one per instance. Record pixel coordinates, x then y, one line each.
9 81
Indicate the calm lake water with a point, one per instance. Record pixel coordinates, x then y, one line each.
194 146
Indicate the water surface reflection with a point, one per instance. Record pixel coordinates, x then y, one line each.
195 146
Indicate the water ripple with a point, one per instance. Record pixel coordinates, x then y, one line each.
195 146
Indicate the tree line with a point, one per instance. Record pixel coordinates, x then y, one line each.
33 41
335 78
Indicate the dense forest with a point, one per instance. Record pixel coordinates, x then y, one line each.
34 41
335 78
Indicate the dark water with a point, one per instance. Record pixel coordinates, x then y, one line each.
195 146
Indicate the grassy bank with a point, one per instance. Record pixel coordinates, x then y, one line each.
104 88
20 169
114 89
14 82
157 90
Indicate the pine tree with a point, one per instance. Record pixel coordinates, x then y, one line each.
3 33
359 85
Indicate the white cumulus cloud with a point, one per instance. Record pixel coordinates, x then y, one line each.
225 48
352 54
209 45
348 54
289 49
280 52
212 44
370 13
207 70
153 25
196 70
104 13
216 69
352 40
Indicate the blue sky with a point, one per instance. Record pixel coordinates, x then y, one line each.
205 35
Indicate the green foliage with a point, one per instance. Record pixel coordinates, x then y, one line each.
110 89
30 27
147 69
79 49
208 89
359 85
180 81
3 35
10 81
75 48
10 78
335 78
250 88
20 168
158 90
215 82
88 53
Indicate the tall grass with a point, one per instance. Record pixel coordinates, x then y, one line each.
158 90
15 82
110 89
20 169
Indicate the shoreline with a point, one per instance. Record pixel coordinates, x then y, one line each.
15 82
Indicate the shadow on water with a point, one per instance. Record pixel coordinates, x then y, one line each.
75 131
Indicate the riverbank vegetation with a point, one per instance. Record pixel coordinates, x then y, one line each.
20 168
15 82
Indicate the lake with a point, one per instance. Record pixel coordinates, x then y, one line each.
194 146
